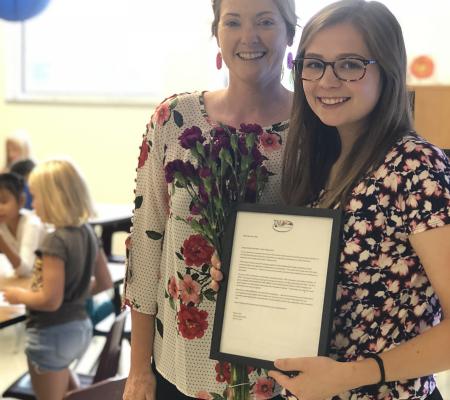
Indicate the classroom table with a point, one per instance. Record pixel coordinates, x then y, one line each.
10 314
13 314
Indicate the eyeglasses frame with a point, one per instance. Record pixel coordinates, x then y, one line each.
332 64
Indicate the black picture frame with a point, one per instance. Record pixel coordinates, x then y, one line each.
334 216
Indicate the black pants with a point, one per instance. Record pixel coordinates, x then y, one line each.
436 395
166 390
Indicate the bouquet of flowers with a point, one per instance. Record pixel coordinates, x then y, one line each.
225 170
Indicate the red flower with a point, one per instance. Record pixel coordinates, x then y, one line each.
196 251
270 141
162 114
145 148
263 388
192 322
223 372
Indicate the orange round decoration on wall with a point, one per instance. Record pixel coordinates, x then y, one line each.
422 67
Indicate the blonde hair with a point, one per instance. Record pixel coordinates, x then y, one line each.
64 196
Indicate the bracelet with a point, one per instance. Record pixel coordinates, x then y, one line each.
379 361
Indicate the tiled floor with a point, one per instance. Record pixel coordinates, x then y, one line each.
13 364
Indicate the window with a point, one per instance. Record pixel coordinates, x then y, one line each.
144 50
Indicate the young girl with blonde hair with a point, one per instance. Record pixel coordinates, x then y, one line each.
58 327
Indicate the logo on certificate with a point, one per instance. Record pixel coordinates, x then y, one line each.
282 225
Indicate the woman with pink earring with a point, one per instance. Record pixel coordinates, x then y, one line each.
252 36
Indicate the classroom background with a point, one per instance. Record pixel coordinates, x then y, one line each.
83 78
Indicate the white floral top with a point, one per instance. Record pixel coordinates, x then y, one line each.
168 272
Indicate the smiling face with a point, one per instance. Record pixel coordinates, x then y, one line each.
252 36
345 105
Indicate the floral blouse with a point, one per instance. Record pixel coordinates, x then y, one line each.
384 297
168 271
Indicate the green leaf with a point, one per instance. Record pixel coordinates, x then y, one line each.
200 149
179 255
279 127
210 294
225 156
195 276
178 118
138 201
250 140
245 163
172 304
234 142
173 103
154 235
179 275
159 327
217 396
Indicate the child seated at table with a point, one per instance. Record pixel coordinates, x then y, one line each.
20 230
58 327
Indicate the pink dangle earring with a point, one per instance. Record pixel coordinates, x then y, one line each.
219 60
290 61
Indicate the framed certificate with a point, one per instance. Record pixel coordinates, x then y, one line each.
277 296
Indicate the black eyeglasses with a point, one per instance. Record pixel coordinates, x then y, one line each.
345 69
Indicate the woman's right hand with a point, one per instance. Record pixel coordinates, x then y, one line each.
215 272
140 386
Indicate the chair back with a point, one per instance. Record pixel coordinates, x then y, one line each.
108 364
109 389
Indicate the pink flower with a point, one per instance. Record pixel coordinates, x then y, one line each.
190 290
263 388
173 288
162 114
270 141
203 395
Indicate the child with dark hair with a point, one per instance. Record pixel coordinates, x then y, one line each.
24 168
20 230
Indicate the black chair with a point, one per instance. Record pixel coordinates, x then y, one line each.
108 389
107 367
102 328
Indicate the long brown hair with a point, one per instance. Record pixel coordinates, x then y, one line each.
286 8
312 147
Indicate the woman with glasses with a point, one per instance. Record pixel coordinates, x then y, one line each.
171 320
352 145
